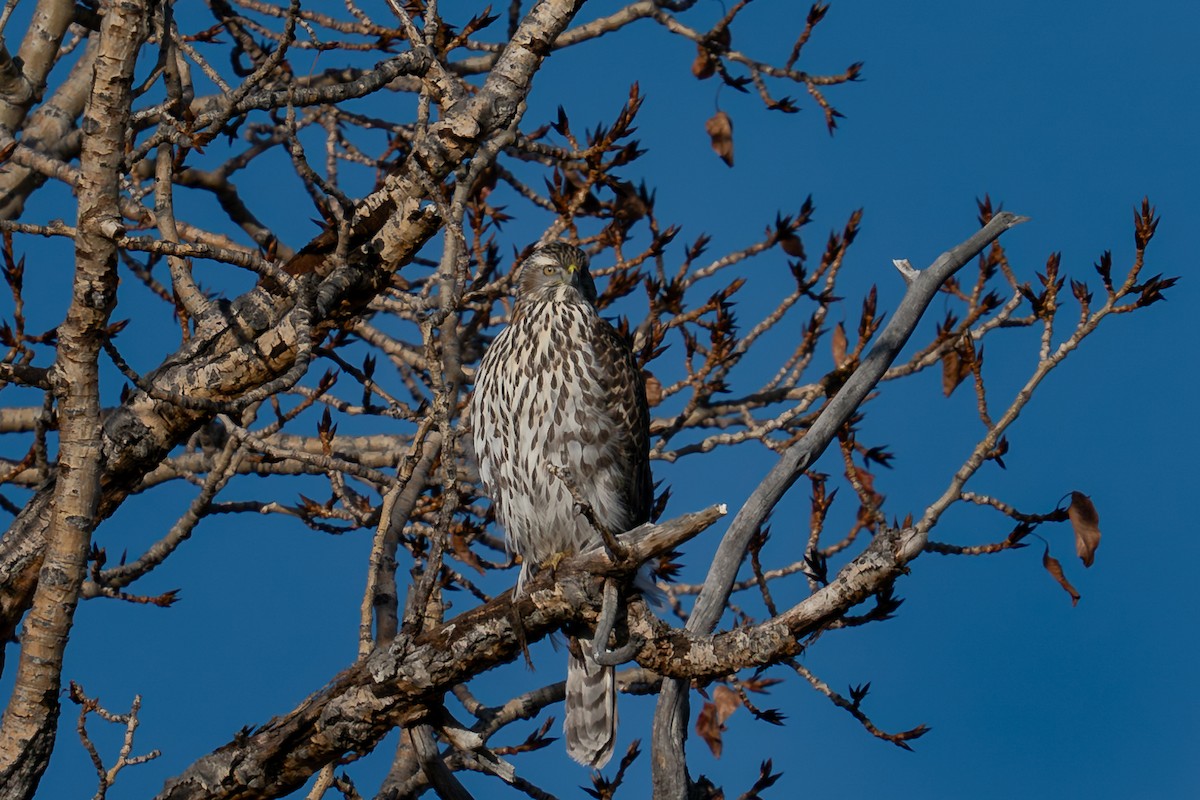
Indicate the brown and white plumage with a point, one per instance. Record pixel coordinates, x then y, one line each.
560 387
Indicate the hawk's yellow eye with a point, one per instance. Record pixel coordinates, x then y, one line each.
549 270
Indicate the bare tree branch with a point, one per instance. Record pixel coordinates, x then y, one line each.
400 684
28 726
670 732
410 126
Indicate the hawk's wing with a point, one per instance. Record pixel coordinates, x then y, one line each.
625 393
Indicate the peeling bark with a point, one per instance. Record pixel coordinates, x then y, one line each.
28 726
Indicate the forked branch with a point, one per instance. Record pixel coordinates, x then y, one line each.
670 771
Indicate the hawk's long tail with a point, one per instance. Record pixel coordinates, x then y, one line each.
590 725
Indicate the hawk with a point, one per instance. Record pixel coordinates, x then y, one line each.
559 387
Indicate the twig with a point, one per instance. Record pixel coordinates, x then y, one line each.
899 739
106 777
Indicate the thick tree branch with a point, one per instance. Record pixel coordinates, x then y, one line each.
28 727
402 684
46 130
38 54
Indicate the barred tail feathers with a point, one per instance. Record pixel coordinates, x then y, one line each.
590 723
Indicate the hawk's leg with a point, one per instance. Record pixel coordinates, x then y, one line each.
616 550
528 570
553 561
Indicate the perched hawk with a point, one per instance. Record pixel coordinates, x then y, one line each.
560 387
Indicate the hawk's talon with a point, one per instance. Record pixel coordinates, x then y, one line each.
552 562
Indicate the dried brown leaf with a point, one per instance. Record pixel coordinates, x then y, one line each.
710 724
792 245
705 65
654 389
720 131
952 374
1053 566
839 345
727 701
709 729
461 547
760 684
956 365
1086 523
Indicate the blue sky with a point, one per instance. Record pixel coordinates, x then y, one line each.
1067 112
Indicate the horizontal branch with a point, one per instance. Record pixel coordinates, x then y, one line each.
25 375
691 656
401 684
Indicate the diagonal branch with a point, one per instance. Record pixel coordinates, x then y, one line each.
670 724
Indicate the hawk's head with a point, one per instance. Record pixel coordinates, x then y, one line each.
556 272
